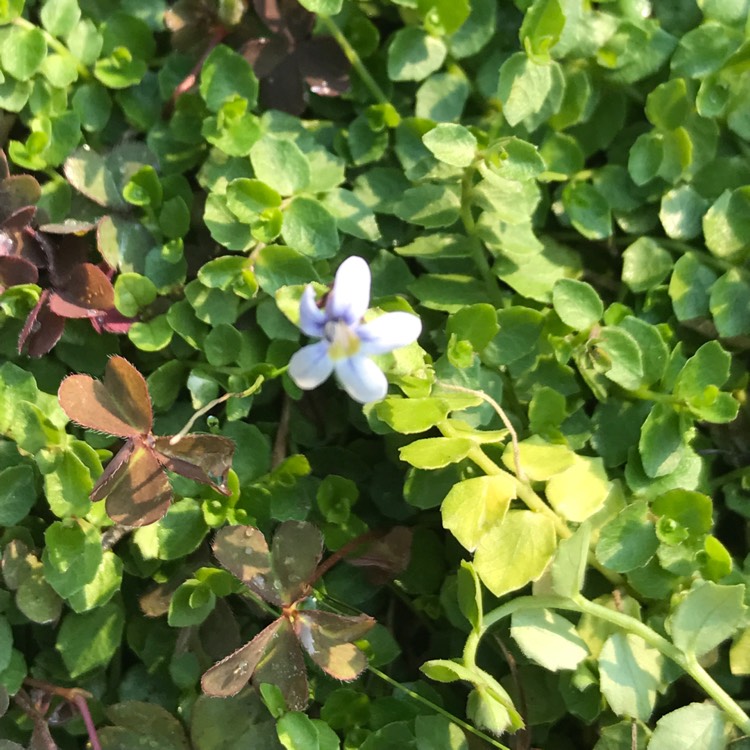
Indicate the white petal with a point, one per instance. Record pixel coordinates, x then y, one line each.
311 365
389 332
350 296
312 319
362 379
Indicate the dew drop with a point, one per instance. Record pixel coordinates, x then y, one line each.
241 669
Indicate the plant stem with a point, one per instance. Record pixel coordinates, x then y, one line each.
210 405
353 56
477 251
503 416
56 45
630 625
425 702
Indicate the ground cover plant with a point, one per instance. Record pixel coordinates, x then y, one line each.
374 374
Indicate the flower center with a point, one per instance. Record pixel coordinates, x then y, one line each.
344 341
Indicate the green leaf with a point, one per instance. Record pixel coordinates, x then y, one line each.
681 212
411 415
247 198
645 264
707 616
89 173
576 303
309 228
697 725
429 206
726 225
663 435
541 28
280 164
72 555
447 292
625 361
730 304
452 144
37 600
653 348
587 210
476 31
569 565
630 674
689 287
442 97
707 369
89 640
474 506
434 453
225 75
67 483
438 733
22 52
224 226
191 604
152 336
17 494
629 540
540 460
9 11
580 490
180 531
529 92
548 639
85 41
132 293
323 7
516 551
104 585
469 592
414 54
60 17
297 732
212 306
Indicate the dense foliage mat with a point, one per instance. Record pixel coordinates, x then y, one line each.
374 374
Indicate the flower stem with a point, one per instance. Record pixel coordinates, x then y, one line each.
438 709
504 418
210 405
627 623
353 56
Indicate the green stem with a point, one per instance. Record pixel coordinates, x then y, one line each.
477 250
730 476
646 394
353 56
57 46
630 625
425 702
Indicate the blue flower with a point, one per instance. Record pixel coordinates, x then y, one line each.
346 343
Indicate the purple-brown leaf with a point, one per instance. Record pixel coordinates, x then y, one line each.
119 404
42 329
243 551
232 673
284 666
200 457
139 493
295 553
327 639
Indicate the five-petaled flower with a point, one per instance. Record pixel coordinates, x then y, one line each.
346 343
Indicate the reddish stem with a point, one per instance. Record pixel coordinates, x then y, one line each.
77 697
348 548
189 80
